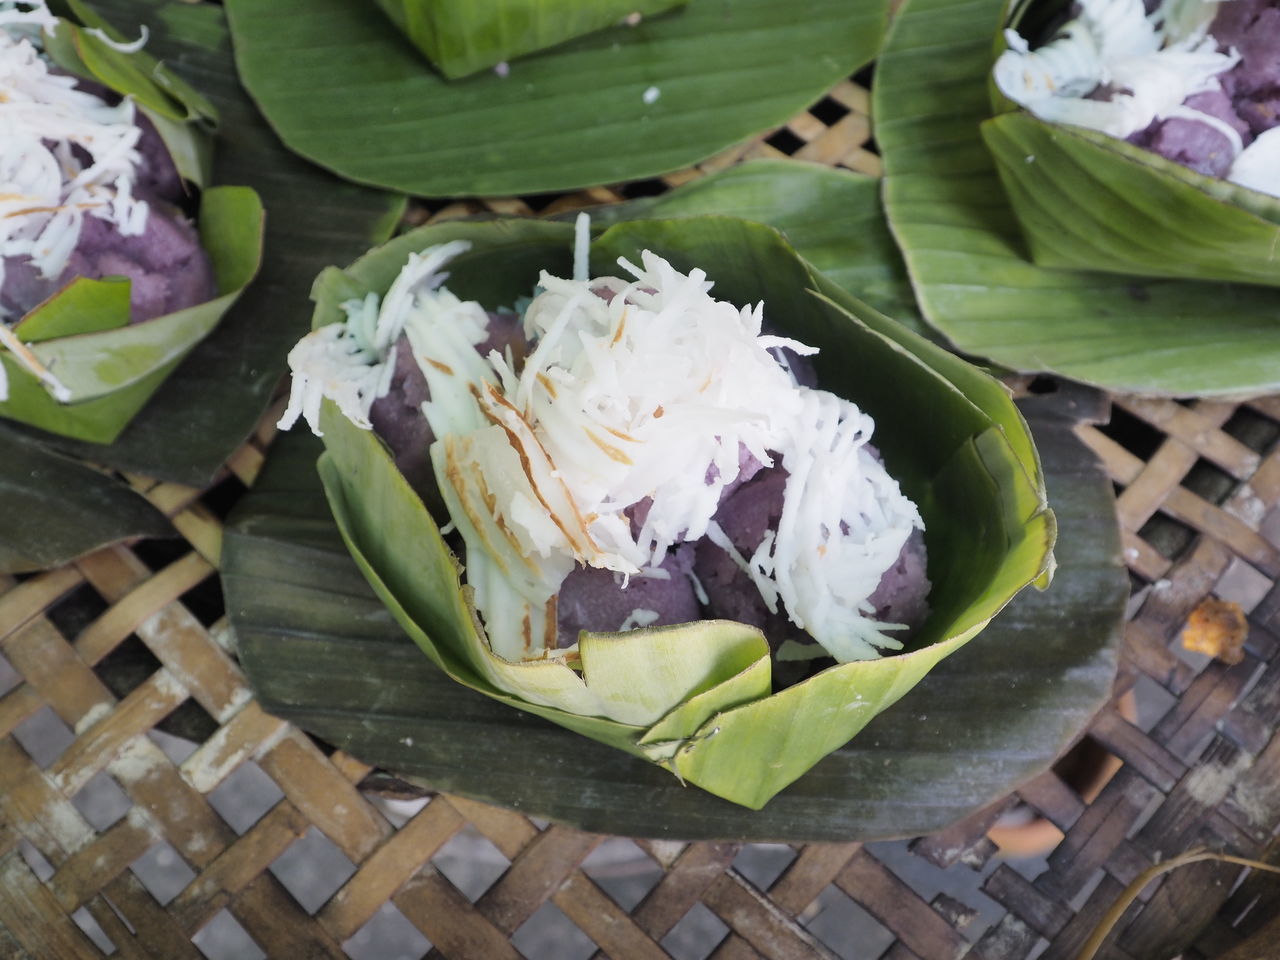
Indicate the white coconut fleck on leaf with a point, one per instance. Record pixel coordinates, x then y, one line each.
123 46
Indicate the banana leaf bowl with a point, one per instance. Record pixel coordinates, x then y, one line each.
707 712
65 496
107 368
1089 201
1042 247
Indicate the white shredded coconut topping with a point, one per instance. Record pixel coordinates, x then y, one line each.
352 363
64 154
639 617
1153 63
639 389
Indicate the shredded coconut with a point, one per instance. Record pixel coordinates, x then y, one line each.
1154 62
352 362
639 617
64 154
640 389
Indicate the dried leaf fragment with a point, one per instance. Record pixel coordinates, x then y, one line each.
1218 628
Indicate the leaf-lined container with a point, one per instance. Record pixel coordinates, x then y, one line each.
1088 201
82 334
966 251
697 698
461 37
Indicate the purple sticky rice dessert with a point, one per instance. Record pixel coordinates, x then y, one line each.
397 417
746 517
166 266
584 480
595 600
1198 84
1247 101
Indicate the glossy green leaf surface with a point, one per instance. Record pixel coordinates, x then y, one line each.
197 418
343 88
1086 201
82 306
832 217
460 37
971 268
323 652
976 480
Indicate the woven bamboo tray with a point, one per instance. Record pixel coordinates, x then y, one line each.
126 652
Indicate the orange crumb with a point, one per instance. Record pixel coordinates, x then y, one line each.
1218 628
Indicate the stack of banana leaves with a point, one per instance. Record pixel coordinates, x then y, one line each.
708 513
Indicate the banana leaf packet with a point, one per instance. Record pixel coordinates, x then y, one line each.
698 699
80 363
461 37
1081 159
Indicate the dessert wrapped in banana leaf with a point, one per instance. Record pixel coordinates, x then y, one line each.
1194 81
628 425
652 515
1141 139
90 190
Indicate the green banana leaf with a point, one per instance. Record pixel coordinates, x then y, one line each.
1086 201
111 367
344 89
855 250
57 507
976 478
82 334
461 37
323 652
216 395
964 247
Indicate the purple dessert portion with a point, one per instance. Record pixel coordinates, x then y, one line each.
1193 144
397 417
1249 101
593 599
167 268
166 265
745 517
157 173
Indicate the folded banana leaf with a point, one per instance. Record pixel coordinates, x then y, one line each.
959 227
698 695
461 37
343 88
1087 201
214 398
855 249
323 652
107 368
